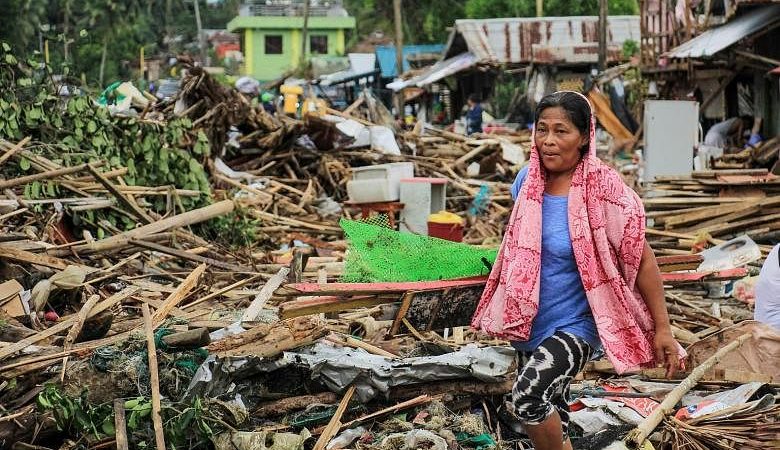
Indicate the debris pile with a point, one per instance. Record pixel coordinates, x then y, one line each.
176 275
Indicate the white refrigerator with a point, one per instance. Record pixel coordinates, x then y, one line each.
671 137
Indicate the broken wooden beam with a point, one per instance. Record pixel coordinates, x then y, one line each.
181 220
187 340
265 341
375 288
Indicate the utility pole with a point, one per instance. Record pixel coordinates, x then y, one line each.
201 41
399 55
539 8
603 12
66 31
305 33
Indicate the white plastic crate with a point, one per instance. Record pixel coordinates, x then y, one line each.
379 183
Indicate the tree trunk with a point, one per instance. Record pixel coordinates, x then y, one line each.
103 61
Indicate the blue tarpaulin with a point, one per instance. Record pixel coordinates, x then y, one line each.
385 55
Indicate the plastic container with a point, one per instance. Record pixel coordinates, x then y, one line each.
379 183
445 225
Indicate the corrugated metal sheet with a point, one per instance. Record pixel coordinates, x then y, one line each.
385 55
712 41
520 40
437 71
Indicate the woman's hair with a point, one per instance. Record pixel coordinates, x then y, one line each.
575 106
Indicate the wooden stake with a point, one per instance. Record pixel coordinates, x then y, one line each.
335 422
154 378
119 425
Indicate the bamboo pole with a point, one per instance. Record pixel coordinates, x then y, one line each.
181 220
638 435
154 375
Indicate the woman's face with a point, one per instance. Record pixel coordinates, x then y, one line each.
558 140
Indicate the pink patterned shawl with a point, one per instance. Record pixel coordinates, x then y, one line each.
607 227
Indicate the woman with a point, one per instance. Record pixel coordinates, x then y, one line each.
574 273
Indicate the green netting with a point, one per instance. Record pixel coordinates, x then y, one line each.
377 253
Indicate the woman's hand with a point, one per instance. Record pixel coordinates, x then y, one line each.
666 351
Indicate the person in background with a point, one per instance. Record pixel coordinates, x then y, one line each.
267 100
726 133
768 291
755 138
474 115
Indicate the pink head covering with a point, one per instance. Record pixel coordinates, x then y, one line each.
607 228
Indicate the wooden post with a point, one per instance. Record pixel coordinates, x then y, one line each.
539 8
399 55
120 425
154 376
201 41
603 12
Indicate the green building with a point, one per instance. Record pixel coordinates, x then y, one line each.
271 36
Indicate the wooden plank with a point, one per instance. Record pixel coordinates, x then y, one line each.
335 422
178 295
376 288
705 213
190 256
722 275
265 294
749 210
694 201
740 225
22 256
406 302
154 376
448 308
328 304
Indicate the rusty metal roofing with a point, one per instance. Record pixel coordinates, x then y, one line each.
542 40
716 39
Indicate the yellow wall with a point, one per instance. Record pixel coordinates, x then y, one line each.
339 42
296 48
249 52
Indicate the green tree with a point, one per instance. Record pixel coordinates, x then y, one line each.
480 9
20 23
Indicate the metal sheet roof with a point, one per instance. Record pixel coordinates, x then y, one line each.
437 71
517 40
716 39
385 55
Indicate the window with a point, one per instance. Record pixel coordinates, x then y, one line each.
318 45
273 44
